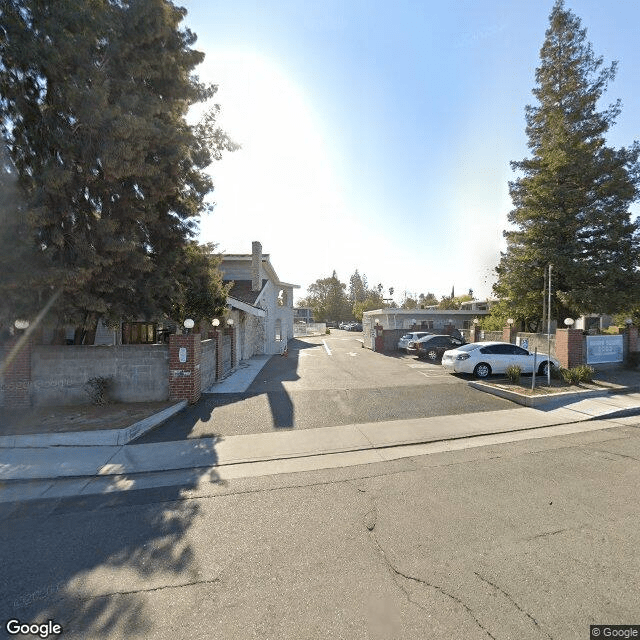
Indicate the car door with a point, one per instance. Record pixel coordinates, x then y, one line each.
522 358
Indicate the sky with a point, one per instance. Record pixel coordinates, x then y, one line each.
378 136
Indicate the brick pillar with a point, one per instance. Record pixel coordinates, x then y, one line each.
474 334
509 333
379 339
630 339
16 378
570 347
184 367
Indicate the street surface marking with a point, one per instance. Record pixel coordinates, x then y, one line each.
326 347
352 353
434 374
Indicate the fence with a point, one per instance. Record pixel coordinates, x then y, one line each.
50 375
301 329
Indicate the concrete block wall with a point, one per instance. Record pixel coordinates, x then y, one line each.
208 364
59 373
538 340
15 385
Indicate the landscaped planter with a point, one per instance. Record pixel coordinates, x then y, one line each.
536 400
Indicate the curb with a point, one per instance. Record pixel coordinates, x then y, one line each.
536 401
101 437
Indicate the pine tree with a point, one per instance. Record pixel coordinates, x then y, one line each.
93 102
571 201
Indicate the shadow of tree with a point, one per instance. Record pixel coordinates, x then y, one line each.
200 418
89 563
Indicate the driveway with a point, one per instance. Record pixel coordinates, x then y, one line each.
329 381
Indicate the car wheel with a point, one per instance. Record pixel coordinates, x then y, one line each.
482 370
543 368
432 355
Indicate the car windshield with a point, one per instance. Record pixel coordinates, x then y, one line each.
468 347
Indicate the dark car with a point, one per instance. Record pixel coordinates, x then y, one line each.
432 347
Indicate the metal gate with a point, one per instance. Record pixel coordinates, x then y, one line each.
601 349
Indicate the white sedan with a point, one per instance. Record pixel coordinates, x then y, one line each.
484 358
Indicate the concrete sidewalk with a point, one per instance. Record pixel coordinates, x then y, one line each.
32 472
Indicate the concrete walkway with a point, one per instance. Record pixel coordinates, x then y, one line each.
42 467
36 472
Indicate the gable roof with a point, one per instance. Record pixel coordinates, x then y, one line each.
241 290
266 263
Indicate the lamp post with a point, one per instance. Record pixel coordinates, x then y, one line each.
188 325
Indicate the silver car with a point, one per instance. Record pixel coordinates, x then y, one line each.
403 343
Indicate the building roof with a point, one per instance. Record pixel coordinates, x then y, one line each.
241 290
266 263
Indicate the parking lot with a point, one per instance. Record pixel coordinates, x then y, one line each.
327 381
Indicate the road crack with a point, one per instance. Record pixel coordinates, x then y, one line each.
515 604
370 520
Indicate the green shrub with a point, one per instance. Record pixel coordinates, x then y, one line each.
556 372
569 375
576 375
585 373
514 372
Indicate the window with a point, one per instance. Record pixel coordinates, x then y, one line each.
138 332
278 330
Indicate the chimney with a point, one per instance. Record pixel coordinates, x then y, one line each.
256 264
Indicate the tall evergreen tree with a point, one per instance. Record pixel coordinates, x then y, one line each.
93 102
571 201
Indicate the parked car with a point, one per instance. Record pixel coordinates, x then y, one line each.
355 326
407 338
484 358
432 347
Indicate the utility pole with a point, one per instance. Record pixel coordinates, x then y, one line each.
549 331
544 300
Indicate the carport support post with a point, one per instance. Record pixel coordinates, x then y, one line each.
185 353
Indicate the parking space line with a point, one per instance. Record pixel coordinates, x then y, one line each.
326 347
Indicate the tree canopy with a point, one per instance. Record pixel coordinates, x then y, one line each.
572 197
93 102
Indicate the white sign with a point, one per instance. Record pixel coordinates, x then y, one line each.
182 354
604 349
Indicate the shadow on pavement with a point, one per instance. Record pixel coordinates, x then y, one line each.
269 383
88 563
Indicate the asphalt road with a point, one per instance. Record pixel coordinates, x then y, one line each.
326 382
532 540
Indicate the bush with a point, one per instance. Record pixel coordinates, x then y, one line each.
556 372
514 372
98 389
584 373
576 375
569 375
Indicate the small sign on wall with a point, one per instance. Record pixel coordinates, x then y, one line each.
182 354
